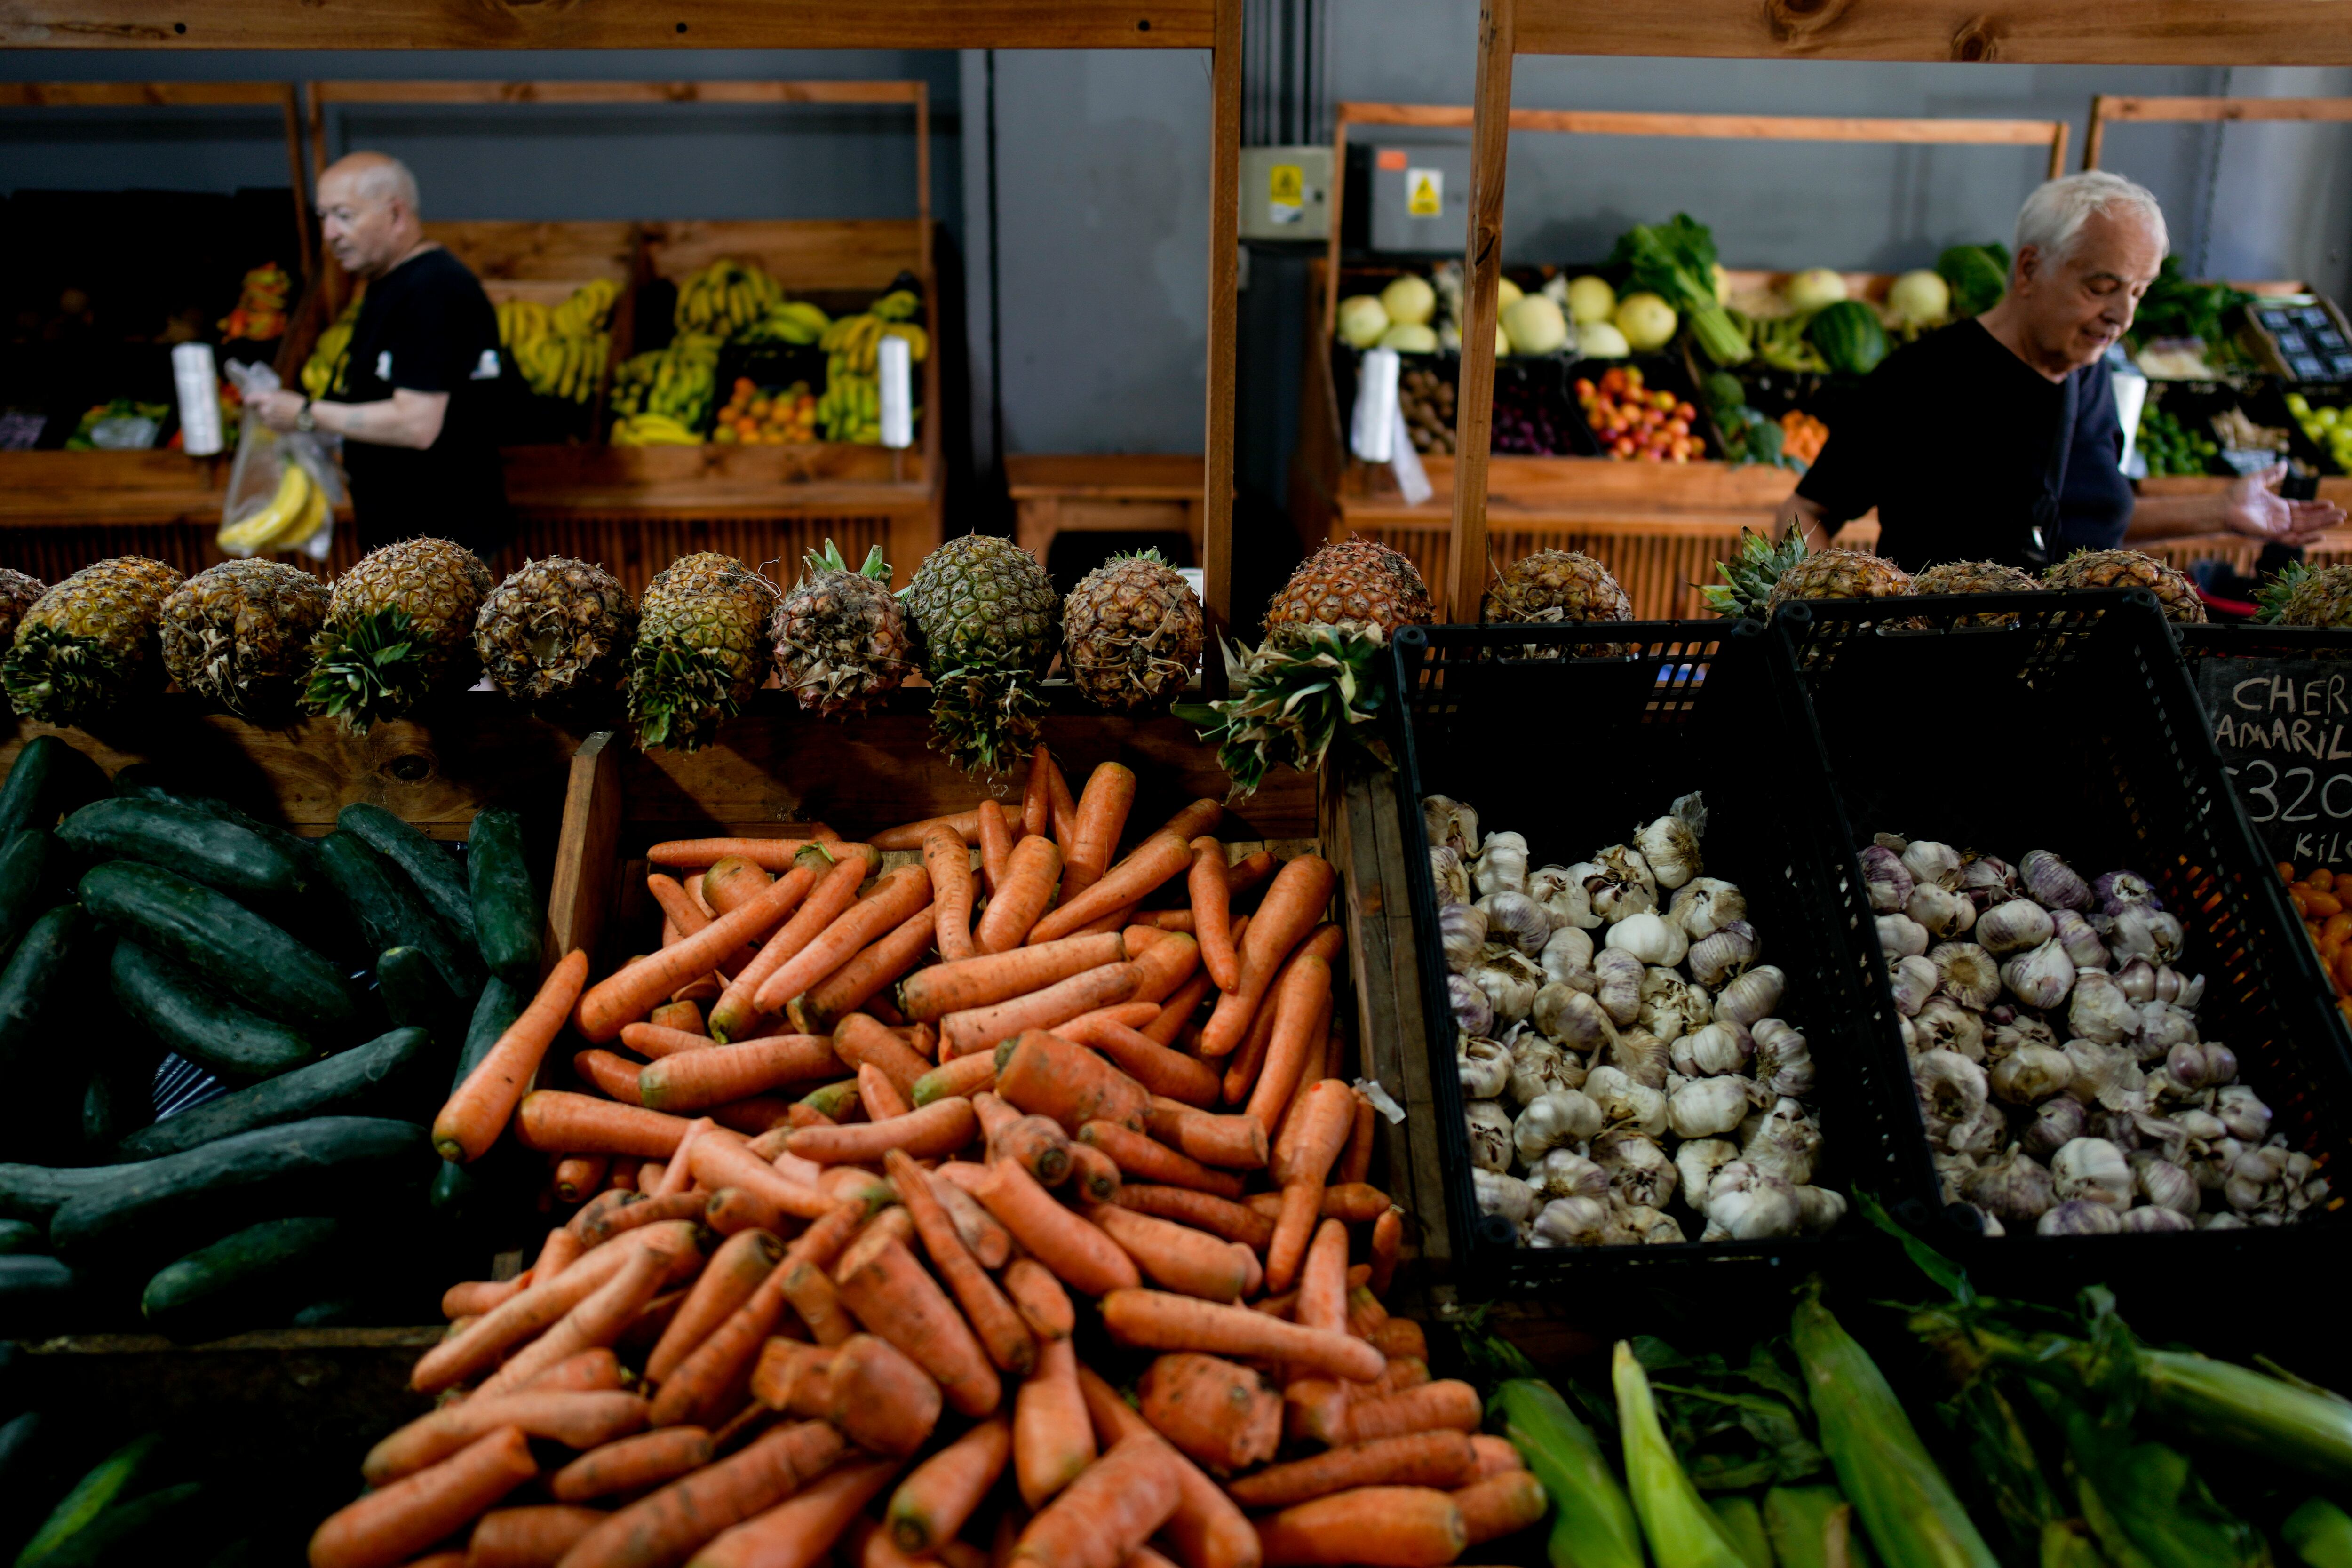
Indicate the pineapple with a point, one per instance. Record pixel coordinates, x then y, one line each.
2130 569
399 628
841 639
1133 631
19 591
1556 586
1747 577
238 633
1318 674
555 635
91 643
700 654
986 615
1975 577
2301 595
1839 574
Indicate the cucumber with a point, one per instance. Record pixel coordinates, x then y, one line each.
222 941
390 911
198 1022
46 1075
414 995
36 1294
21 1236
196 844
128 1533
254 1279
50 778
506 913
377 1078
206 1193
22 1450
36 1192
432 869
26 861
113 1476
495 1011
145 781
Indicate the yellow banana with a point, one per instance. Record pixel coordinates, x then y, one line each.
251 533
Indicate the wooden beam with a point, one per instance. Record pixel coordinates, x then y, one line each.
563 93
2114 107
608 25
1473 402
1741 127
140 94
1224 330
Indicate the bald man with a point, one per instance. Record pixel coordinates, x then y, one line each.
418 397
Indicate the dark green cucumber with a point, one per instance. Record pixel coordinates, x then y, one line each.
22 1451
45 1074
224 942
192 1019
495 1011
197 844
198 1196
36 1192
20 1235
392 913
145 781
129 1532
506 913
415 996
379 1078
26 862
37 1294
50 778
433 870
245 1277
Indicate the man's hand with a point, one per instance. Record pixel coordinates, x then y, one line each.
2254 507
277 410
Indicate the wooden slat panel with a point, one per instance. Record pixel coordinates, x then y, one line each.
556 252
1740 127
806 253
587 864
610 24
2125 107
1127 476
561 92
142 94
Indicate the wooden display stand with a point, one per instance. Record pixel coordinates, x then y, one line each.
1124 492
1659 527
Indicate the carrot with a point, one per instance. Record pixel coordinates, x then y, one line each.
1323 1279
1243 1067
1366 1316
1387 1241
1358 1203
726 1160
711 1075
1102 811
1446 1404
1037 796
799 1532
1356 1160
1327 1117
1158 1069
949 860
1168 920
479 1109
663 1528
1023 891
535 1537
1163 966
966 1076
1444 1459
683 1016
660 1254
1495 1456
644 1209
1298 1007
964 825
796 1378
735 1270
1035 1143
895 1297
391 1525
940 1128
776 855
1127 1015
659 1040
1157 1319
1292 905
834 1102
557 1253
1062 808
577 1419
480 1344
1206 1529
810 1291
632 1464
1044 1305
975 982
1384 1526
1111 1508
701 989
472 1298
1094 1176
995 848
1221 1415
1158 860
1499 1505
684 914
1048 1075
1003 1335
753 1114
1147 1160
863 978
859 1040
1179 1008
932 1504
1075 1249
731 882
1204 883
735 1013
986 1028
610 1073
1176 1256
895 898
627 996
1235 1143
556 1122
880 1095
1052 1440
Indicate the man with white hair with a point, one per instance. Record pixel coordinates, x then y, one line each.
1995 438
417 399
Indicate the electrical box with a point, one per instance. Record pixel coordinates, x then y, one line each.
1421 200
1287 193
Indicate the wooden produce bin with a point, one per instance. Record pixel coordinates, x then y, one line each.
1118 492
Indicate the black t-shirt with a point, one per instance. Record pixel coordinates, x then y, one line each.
426 326
1965 449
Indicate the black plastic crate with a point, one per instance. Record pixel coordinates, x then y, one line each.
1575 735
2076 729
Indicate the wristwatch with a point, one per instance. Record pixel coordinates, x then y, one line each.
306 421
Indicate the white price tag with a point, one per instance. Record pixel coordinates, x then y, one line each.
1413 479
896 366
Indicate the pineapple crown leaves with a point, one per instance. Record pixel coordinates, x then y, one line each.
1748 579
829 559
1293 703
55 677
2274 595
367 670
677 696
984 716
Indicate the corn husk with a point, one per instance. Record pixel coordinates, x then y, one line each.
1683 1532
1592 1521
1743 1525
1813 1527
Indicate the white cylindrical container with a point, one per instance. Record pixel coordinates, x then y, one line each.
1373 434
895 363
198 384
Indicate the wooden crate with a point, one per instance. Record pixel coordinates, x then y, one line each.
1114 492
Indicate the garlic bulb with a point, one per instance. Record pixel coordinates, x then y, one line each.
2165 1185
2056 1123
1638 1224
1982 1131
2114 890
1950 1089
1504 1194
1672 850
1716 959
2149 1218
2013 1187
1501 866
1752 996
2030 1076
1449 825
1618 881
1967 973
1818 1209
1516 919
1461 932
2108 1077
1565 1174
1552 1120
2143 931
1912 980
2100 1011
2040 978
1671 1005
1509 978
1707 1107
1988 880
1951 1169
2094 1170
1782 1141
1473 1014
1622 979
1944 913
2013 927
1900 936
1452 877
1490 1135
1570 1017
1485 1066
1755 1209
1784 1062
1943 1025
2079 1216
1567 959
1539 1067
1561 893
1932 864
2195 1064
2136 980
2160 1027
2051 883
1641 1057
1696 1163
1717 1047
2013 1029
1628 1106
1650 939
2080 940
1570 1222
2242 1113
1885 879
1706 906
1640 1174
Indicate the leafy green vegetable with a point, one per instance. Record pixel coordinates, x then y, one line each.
2143 1501
1677 261
2175 306
1734 1427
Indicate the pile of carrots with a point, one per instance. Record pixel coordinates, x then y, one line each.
866 1158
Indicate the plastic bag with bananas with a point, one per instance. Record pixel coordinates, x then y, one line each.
297 509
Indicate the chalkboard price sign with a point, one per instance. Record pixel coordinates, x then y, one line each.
2284 731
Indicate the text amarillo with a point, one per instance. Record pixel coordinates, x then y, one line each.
2316 729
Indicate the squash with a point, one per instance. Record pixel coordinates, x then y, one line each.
1534 326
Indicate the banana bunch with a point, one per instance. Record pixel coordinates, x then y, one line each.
324 368
296 512
793 321
851 409
726 298
561 350
853 343
653 430
677 384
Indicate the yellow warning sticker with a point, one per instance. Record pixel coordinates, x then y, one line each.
1424 193
1286 185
